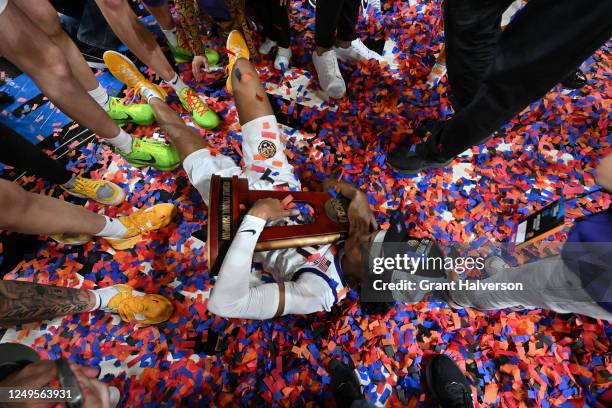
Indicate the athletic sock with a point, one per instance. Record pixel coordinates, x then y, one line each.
171 36
101 97
122 141
112 229
70 183
176 83
149 94
103 296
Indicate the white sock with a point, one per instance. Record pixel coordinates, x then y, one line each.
112 229
122 141
149 94
171 36
99 94
176 83
104 296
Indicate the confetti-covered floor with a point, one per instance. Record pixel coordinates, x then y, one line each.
513 359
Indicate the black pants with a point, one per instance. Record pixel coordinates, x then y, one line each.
17 152
336 19
275 21
494 75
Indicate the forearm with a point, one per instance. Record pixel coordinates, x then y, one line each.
23 302
346 189
232 296
604 173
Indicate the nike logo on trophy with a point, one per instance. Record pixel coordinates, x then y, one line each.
250 230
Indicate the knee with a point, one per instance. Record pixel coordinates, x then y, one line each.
13 203
58 68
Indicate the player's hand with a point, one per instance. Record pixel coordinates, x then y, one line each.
95 392
35 376
199 62
361 218
271 209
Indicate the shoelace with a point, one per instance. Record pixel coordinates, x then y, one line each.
195 103
459 397
88 186
128 306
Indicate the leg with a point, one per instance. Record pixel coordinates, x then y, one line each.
471 30
275 20
30 49
547 284
24 302
182 138
19 153
159 9
138 39
251 99
347 22
29 213
328 14
533 55
94 30
46 18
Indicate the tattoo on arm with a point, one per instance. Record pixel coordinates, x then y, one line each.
23 302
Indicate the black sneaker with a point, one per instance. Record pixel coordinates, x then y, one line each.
344 383
407 160
92 55
450 388
575 80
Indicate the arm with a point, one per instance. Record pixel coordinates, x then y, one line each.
360 216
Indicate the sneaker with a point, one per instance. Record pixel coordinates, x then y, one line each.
142 308
575 80
344 383
202 115
283 55
406 160
71 239
139 113
92 55
237 48
266 47
142 222
449 386
103 191
124 70
147 152
212 56
328 71
181 53
357 51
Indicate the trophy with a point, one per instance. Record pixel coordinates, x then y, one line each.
230 200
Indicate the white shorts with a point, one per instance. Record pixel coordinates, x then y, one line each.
266 165
3 4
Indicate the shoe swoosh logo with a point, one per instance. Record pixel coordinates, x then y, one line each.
252 231
150 160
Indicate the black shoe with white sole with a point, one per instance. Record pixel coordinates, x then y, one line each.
407 160
574 80
345 384
449 386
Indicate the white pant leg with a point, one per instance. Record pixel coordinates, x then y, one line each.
266 165
547 284
201 165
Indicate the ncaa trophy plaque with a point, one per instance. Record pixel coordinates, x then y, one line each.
230 200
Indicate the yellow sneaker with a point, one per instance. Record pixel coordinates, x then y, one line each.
71 239
138 307
124 70
237 48
102 191
142 222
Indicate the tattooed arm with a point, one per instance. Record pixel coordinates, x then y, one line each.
23 302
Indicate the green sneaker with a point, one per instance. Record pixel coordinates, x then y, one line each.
202 115
146 152
212 56
180 54
139 113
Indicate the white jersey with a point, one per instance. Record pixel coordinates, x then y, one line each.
312 277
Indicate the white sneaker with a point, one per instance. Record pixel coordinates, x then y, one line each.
283 55
330 78
357 52
267 46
